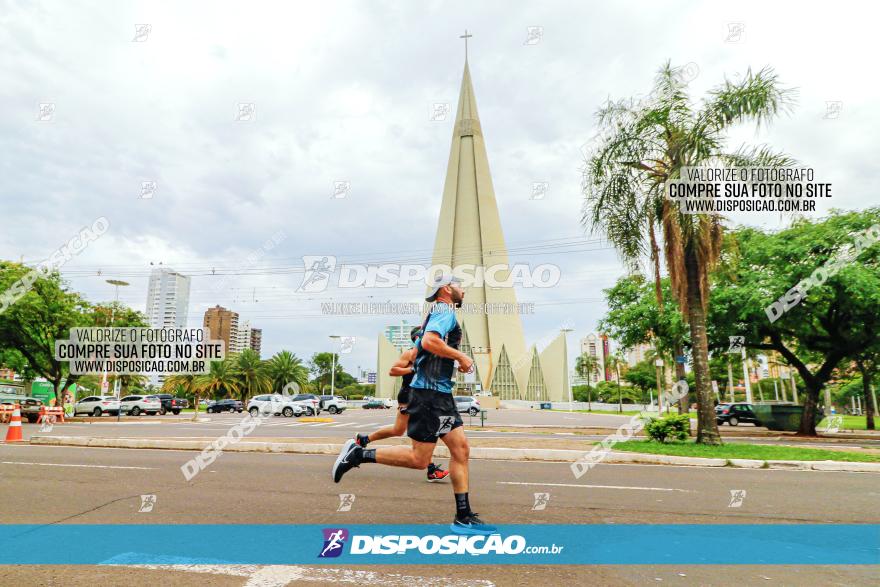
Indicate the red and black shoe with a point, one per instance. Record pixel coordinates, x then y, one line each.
436 473
362 440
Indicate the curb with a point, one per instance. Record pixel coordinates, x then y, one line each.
502 454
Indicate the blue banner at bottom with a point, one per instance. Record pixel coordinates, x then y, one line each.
354 544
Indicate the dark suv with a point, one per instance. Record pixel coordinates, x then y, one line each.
171 404
226 405
734 414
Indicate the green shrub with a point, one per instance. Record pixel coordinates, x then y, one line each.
675 427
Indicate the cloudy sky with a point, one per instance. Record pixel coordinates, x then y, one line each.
344 92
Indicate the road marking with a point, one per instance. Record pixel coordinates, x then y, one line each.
341 425
318 424
280 575
71 465
595 486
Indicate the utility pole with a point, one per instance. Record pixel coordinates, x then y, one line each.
333 337
746 376
116 388
659 364
730 380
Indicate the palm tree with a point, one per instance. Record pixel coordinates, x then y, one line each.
615 361
222 378
585 365
285 367
251 374
645 145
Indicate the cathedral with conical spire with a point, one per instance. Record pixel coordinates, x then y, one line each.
469 233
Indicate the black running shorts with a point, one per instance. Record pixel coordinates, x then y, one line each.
432 414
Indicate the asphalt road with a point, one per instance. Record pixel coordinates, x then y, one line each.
77 485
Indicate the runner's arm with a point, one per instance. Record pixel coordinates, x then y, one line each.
403 365
435 345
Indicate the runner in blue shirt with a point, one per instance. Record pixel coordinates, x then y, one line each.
432 410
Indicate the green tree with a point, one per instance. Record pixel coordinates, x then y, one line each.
616 361
644 146
835 323
321 366
252 374
13 359
643 375
285 367
221 381
638 314
585 366
31 325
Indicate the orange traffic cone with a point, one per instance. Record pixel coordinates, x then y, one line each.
13 434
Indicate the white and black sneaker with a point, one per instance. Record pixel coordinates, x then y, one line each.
472 524
349 457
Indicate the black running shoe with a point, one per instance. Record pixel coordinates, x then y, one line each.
472 524
362 440
349 457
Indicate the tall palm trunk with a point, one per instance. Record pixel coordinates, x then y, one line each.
707 427
678 349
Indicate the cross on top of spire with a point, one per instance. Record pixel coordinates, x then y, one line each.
465 36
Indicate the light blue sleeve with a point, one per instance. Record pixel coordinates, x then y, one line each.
441 323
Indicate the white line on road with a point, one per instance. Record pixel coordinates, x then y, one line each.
71 465
319 424
595 486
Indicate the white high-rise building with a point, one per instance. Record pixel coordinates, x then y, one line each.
241 338
167 303
594 346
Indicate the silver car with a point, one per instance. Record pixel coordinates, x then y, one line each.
274 403
140 404
97 405
468 404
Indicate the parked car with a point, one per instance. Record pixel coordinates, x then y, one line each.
378 403
97 405
735 414
466 403
333 404
225 405
276 404
29 406
140 404
310 403
171 404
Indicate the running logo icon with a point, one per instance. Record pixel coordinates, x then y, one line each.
317 273
334 541
446 423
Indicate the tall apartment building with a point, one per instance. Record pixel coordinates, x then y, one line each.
222 324
637 354
256 339
167 303
596 346
398 335
225 325
242 337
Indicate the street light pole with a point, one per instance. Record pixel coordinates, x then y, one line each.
746 376
117 390
333 367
